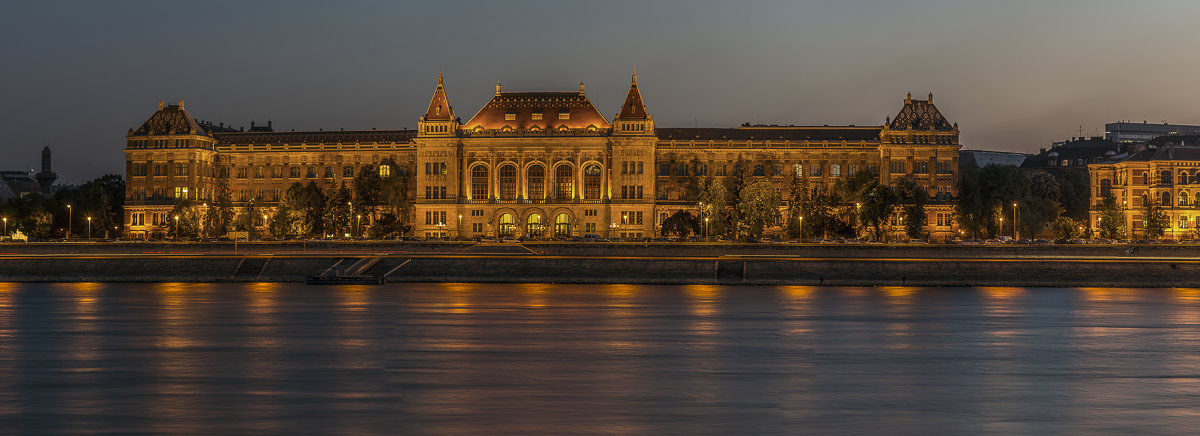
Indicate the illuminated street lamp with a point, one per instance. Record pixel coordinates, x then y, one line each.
89 227
68 221
706 228
358 226
1016 233
802 228
176 227
6 227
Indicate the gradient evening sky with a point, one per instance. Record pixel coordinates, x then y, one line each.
1015 75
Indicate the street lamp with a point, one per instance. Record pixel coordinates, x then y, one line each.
705 229
68 221
176 227
802 228
5 227
89 227
358 226
1016 232
459 228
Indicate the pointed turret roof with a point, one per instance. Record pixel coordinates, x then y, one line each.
633 107
439 105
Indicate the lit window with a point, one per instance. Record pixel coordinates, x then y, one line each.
510 116
564 115
537 116
385 170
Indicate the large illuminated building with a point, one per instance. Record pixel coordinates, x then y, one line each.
538 164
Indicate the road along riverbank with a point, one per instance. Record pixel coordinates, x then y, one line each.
524 264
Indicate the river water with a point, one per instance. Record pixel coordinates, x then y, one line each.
595 359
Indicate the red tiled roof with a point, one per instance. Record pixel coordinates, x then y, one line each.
523 105
920 115
794 134
319 137
170 120
633 107
439 105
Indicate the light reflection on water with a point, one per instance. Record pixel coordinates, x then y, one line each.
537 358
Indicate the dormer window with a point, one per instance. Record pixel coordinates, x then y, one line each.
537 116
564 115
510 116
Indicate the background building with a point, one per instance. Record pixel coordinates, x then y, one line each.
1125 132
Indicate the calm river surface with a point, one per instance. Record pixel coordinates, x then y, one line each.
581 359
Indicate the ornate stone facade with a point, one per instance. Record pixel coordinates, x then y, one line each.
539 164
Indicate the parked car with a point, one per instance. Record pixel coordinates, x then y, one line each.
510 240
488 240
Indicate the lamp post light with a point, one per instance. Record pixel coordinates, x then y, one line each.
202 218
459 228
358 226
801 228
705 229
89 227
1016 232
6 227
68 221
176 227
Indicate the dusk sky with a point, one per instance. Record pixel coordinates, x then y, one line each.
1015 75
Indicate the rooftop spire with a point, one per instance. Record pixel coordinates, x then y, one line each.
439 105
497 87
633 107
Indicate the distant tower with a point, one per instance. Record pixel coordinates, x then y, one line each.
47 177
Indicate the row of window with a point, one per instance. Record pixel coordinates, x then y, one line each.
435 217
630 167
435 192
631 192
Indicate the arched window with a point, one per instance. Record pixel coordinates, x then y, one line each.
1183 177
835 170
533 225
537 182
1165 198
562 225
1183 222
508 182
564 182
479 182
1183 199
1164 177
507 225
591 181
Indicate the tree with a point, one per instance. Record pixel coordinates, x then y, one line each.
394 191
1112 220
184 219
220 217
368 189
1067 228
1154 220
681 224
734 185
798 203
912 198
337 212
714 205
759 205
877 203
245 220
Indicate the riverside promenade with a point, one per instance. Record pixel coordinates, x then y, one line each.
567 262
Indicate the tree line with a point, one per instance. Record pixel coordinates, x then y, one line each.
741 207
65 213
372 206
